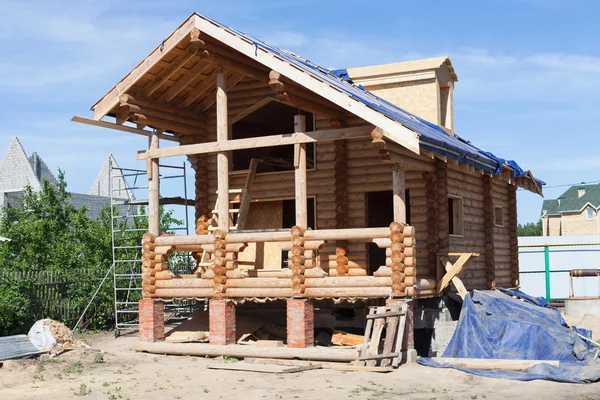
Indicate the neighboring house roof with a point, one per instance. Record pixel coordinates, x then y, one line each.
406 129
17 170
119 184
570 201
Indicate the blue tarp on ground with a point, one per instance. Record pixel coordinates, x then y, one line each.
495 324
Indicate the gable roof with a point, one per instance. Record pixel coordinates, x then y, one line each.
17 170
571 202
404 128
100 187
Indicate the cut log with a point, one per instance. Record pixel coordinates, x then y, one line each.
494 363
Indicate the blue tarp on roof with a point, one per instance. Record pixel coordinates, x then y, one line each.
432 137
494 324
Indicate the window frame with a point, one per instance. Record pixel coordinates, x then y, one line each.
588 210
499 210
458 220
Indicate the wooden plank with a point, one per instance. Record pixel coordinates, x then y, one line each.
300 175
381 356
263 368
494 364
391 331
323 365
340 338
328 135
246 195
123 128
368 330
111 99
452 270
400 336
386 315
222 157
185 80
206 83
373 346
168 72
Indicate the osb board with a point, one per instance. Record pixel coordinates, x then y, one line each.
263 215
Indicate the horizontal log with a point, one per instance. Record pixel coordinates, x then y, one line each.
241 351
372 292
348 281
494 364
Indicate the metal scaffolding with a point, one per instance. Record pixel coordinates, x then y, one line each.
129 221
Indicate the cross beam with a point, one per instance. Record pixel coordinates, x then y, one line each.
256 142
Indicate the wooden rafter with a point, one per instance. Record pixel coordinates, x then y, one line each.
111 99
211 98
205 84
185 80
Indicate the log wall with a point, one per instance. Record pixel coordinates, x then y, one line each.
428 191
469 186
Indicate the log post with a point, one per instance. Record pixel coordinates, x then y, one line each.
399 188
431 195
220 252
154 189
341 205
442 208
514 240
300 174
488 209
296 262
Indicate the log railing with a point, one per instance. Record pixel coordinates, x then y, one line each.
304 278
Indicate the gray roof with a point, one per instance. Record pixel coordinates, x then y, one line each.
17 171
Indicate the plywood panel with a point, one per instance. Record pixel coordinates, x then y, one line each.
263 215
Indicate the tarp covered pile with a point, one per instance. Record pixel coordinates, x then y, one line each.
508 324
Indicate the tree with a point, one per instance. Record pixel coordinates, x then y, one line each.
48 234
530 229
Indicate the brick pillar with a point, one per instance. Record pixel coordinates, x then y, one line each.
300 323
152 320
408 341
221 318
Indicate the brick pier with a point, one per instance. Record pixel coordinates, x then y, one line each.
300 323
152 320
221 317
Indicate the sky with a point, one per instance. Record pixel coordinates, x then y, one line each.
529 70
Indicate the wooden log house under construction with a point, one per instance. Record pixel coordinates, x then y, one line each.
309 186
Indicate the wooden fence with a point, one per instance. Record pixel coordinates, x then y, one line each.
49 297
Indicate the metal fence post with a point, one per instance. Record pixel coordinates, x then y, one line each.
547 270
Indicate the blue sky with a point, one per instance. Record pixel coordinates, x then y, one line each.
528 70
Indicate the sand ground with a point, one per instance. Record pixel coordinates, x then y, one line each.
125 374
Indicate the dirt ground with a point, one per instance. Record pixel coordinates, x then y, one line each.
111 369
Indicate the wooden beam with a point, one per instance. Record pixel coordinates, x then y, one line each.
452 271
129 109
222 157
215 57
123 128
251 109
154 190
180 112
111 99
399 193
308 105
166 125
300 174
328 135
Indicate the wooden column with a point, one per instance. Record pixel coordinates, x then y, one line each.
223 156
512 227
432 246
443 243
399 187
488 230
154 189
300 174
341 205
220 253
